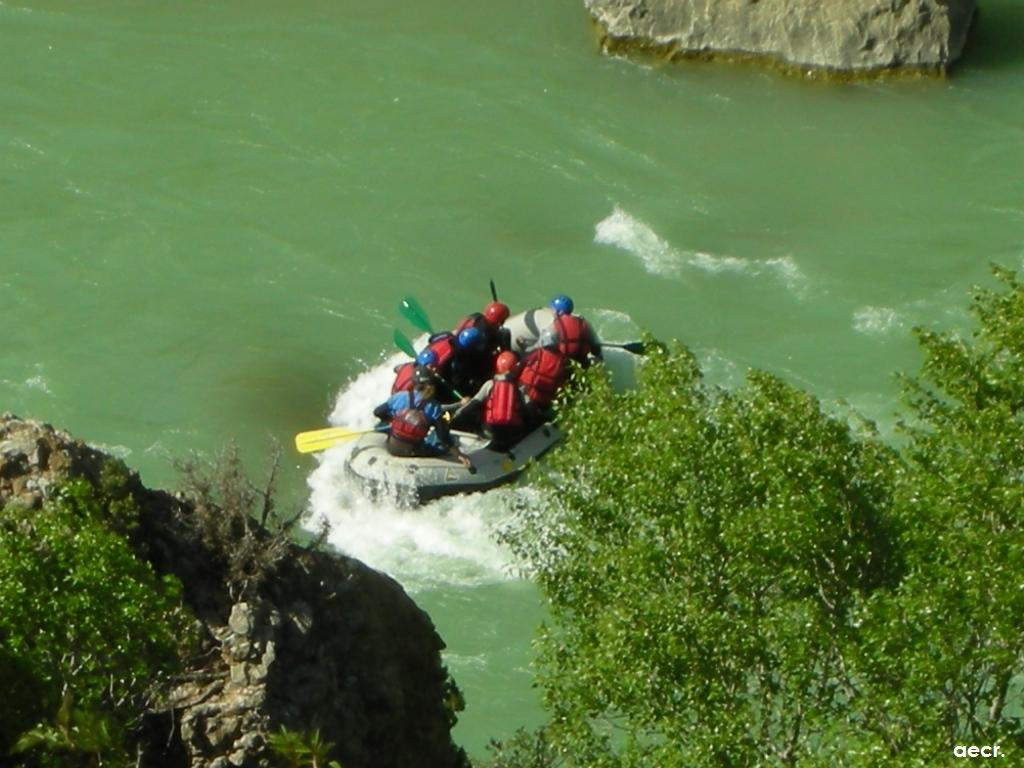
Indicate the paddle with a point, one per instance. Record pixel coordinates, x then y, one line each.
403 343
322 439
413 312
636 347
494 291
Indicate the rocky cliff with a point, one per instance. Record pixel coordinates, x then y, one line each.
846 36
326 642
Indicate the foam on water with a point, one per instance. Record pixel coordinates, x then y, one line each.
623 231
449 541
38 382
659 257
877 321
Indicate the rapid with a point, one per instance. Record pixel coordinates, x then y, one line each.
209 214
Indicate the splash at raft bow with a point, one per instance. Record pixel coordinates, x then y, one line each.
474 405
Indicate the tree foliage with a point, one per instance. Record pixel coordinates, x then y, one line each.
86 629
740 578
302 749
962 603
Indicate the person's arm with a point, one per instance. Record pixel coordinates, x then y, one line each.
458 407
393 405
445 438
467 407
462 458
444 435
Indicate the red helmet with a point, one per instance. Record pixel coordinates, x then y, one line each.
505 362
496 313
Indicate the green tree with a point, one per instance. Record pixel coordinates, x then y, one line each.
704 554
740 578
951 673
90 625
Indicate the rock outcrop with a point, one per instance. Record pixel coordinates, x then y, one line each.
326 643
837 36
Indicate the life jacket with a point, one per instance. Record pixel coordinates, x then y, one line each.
541 374
573 336
403 378
442 345
501 409
410 425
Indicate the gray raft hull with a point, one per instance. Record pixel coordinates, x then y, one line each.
421 479
524 328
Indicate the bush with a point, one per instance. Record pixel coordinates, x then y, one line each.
302 749
238 521
89 629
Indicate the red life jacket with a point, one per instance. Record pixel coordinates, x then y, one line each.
542 373
501 409
403 378
410 426
444 348
573 336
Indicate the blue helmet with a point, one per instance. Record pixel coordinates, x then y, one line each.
562 304
470 337
426 357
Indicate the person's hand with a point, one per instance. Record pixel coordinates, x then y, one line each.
465 461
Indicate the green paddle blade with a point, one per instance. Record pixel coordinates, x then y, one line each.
413 312
403 343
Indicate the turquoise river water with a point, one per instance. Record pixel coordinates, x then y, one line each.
210 211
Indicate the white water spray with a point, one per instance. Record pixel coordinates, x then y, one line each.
451 541
659 257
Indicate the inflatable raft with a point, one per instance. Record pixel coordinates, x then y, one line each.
524 328
413 480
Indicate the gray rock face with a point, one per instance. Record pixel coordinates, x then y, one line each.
850 36
327 643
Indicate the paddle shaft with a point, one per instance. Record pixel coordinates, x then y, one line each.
636 347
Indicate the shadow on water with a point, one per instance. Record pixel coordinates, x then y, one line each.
996 37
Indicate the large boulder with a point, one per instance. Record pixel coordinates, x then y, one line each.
324 643
840 36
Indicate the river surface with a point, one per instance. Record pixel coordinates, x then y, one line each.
209 213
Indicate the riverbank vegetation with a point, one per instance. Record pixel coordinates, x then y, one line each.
88 632
742 578
92 638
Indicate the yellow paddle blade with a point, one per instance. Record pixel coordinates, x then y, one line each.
322 439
